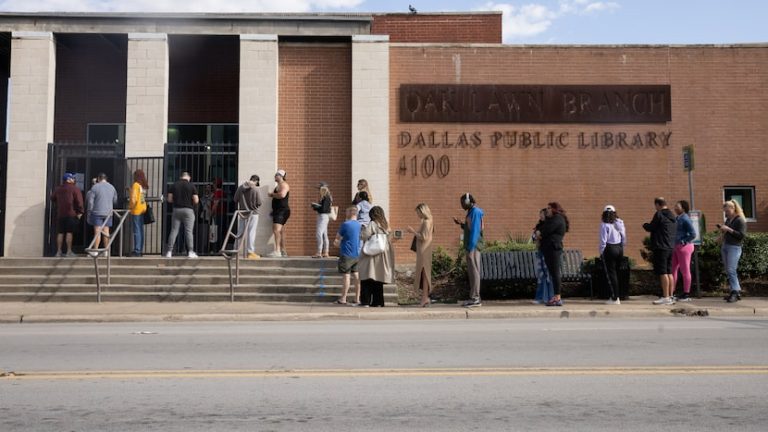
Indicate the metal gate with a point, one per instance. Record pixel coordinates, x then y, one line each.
86 161
153 233
213 167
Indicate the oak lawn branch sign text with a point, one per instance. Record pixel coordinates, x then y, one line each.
527 104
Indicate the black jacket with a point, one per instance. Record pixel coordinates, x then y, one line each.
552 232
662 228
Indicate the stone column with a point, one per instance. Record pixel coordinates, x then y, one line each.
33 86
257 153
146 114
370 115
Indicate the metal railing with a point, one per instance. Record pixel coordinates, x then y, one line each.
95 252
234 254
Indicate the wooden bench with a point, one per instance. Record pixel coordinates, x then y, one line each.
519 266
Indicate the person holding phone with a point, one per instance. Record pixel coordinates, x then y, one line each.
473 229
732 233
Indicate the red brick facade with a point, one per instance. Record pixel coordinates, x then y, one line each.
716 92
314 133
448 28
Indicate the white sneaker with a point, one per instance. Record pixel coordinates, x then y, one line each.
613 302
168 254
664 301
274 255
191 254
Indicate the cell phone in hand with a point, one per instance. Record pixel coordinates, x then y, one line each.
718 225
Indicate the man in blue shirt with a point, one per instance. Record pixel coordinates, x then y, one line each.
473 231
348 241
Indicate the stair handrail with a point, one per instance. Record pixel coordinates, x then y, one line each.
234 254
96 252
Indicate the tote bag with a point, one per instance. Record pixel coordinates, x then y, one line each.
149 215
334 213
376 244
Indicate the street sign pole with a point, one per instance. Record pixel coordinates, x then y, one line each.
688 166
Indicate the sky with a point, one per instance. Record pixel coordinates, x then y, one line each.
524 22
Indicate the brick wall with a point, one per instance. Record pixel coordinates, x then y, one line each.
90 83
449 28
717 98
314 132
204 79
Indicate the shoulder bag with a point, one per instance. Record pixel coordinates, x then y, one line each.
149 215
334 213
376 244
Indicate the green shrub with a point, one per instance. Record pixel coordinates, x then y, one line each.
442 263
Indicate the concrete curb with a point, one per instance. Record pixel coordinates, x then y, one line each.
394 314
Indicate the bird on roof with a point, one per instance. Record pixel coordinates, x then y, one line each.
412 9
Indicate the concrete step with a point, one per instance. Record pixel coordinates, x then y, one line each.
291 262
221 270
118 288
176 296
10 281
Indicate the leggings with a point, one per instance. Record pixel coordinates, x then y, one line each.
681 260
552 258
612 256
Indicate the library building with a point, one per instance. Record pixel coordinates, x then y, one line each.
424 106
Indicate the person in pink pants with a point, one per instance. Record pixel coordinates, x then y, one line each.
681 256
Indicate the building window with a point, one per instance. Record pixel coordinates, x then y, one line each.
203 133
106 133
745 196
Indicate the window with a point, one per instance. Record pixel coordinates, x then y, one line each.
106 133
203 133
745 196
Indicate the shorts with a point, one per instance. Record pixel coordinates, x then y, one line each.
347 264
97 220
281 216
662 262
67 224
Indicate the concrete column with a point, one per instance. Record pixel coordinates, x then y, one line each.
33 86
370 115
258 122
146 114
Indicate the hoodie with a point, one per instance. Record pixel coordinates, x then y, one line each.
662 229
247 197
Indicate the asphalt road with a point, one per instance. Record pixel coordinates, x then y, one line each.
578 375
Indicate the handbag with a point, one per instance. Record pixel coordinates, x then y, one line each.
376 244
413 244
334 213
149 215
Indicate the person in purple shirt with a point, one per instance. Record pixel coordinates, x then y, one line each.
613 238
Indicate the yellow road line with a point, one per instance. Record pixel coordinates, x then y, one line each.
406 372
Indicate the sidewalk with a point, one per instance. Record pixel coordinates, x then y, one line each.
636 307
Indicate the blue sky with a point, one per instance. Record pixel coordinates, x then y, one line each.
525 22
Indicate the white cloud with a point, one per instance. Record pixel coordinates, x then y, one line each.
175 5
520 22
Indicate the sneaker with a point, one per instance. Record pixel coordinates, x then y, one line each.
285 254
253 255
537 302
191 254
734 297
168 254
274 255
70 254
58 255
360 305
664 301
684 298
473 303
613 302
553 302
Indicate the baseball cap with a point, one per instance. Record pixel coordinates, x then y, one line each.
281 173
68 176
609 208
322 184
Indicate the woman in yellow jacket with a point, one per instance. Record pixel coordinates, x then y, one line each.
138 206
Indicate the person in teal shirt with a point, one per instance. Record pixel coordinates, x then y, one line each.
473 231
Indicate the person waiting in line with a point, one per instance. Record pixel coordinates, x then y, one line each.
551 232
69 210
681 255
183 196
423 239
544 289
323 209
613 239
732 233
348 242
218 212
376 270
363 209
101 203
137 204
362 186
247 200
281 211
662 229
473 227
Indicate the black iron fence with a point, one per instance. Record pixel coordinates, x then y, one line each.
3 185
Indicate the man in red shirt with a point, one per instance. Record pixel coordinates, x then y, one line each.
69 209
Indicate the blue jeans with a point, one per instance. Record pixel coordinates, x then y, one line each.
138 233
731 255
